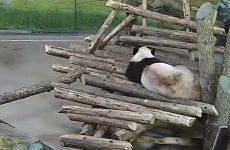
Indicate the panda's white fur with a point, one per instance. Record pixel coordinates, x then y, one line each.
171 81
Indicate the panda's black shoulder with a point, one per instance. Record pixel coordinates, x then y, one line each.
149 61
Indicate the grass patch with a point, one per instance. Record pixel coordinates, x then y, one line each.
58 15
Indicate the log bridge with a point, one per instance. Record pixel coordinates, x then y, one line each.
121 111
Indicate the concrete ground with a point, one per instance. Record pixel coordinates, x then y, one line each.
24 63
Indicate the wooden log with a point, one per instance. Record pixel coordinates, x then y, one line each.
186 10
221 103
40 88
204 21
88 129
165 43
93 143
124 23
187 16
104 121
158 16
171 107
97 65
167 33
101 31
144 20
65 54
119 105
109 113
101 130
170 141
143 93
91 71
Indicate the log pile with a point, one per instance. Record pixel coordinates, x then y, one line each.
120 111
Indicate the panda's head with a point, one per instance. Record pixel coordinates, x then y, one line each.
142 52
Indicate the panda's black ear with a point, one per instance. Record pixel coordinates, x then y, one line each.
153 51
135 50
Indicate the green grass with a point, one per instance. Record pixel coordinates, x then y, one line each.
58 15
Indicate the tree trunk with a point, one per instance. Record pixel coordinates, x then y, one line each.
222 102
206 54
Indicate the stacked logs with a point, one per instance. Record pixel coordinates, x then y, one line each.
123 115
124 109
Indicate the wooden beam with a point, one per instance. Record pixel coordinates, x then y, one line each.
35 89
171 107
170 141
221 103
143 93
165 43
167 33
204 21
119 105
110 113
93 45
158 16
93 143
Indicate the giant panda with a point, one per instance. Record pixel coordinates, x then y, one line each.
160 77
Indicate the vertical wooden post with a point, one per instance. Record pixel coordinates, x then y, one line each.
187 16
144 20
204 23
205 19
222 102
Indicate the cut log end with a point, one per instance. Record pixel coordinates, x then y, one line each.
152 120
110 2
82 79
62 143
204 10
47 48
132 125
191 122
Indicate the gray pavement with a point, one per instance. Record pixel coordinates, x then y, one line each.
24 63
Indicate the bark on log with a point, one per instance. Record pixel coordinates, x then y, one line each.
124 23
154 15
40 88
97 65
143 93
91 71
144 6
104 121
88 129
221 103
204 23
101 130
170 141
167 33
186 10
126 135
93 143
52 50
165 43
119 105
109 113
106 24
171 107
